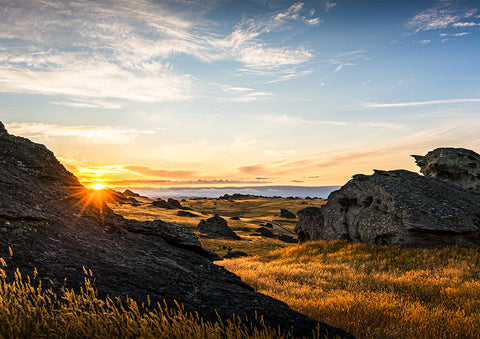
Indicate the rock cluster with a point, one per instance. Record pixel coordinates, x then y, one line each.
401 207
170 204
217 226
52 223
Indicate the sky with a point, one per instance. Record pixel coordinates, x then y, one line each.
217 93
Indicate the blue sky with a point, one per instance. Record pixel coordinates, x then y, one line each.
240 92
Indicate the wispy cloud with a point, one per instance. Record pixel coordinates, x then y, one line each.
88 134
294 121
444 15
346 59
230 93
454 35
307 165
153 172
466 24
93 52
245 43
329 5
79 103
417 103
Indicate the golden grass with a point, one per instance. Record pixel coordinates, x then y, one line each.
374 291
253 212
36 312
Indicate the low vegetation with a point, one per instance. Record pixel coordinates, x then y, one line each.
253 212
28 311
374 291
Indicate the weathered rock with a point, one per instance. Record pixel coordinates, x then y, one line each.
217 226
395 208
160 203
457 166
235 254
284 213
55 225
265 232
310 224
186 214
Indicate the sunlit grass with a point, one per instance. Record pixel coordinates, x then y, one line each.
32 311
253 212
373 291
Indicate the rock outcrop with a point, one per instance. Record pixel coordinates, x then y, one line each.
170 204
264 232
129 193
395 208
217 226
186 214
457 166
284 213
52 223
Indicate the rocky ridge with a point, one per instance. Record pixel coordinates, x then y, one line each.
402 207
55 225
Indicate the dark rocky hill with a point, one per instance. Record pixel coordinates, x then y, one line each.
54 224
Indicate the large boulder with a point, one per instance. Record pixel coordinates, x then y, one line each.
457 166
52 223
217 226
395 208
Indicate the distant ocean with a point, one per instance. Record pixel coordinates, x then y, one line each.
215 192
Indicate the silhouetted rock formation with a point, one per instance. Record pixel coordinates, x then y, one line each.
129 193
217 226
457 166
119 198
284 213
395 208
54 224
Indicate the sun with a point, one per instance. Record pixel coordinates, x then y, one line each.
98 186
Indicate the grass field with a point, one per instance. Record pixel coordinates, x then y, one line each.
252 212
369 291
373 291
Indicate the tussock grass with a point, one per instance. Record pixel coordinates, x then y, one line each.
28 311
374 291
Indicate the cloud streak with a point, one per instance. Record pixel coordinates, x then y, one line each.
88 134
417 103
